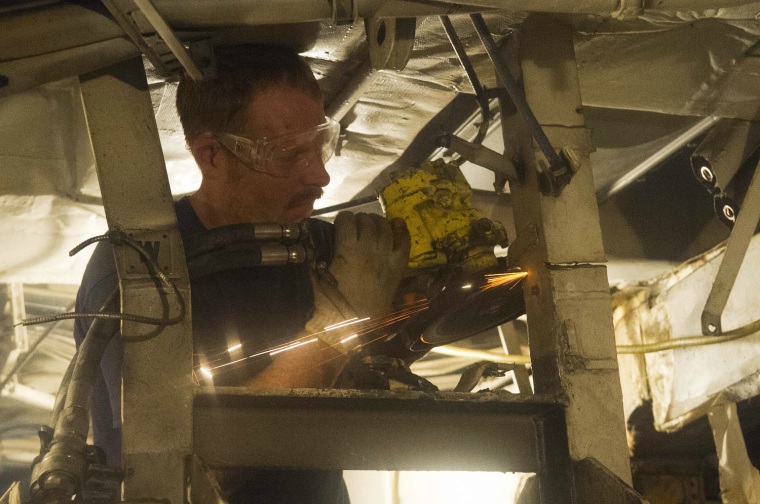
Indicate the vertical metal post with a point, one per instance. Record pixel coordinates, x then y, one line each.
566 291
157 387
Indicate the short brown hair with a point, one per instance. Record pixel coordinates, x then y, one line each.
219 104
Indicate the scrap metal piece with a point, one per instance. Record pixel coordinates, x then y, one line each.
474 373
736 248
390 41
511 343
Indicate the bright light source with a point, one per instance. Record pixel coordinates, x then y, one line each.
467 286
423 487
235 347
207 372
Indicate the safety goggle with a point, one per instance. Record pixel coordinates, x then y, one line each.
280 156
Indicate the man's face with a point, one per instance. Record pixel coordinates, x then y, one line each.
253 196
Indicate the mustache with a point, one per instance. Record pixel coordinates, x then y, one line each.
307 196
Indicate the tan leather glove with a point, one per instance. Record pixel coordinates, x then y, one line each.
371 254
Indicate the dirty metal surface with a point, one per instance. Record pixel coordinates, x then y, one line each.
378 430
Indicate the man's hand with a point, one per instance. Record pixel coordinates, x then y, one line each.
371 254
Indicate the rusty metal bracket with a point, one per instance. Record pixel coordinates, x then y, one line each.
736 248
554 177
390 41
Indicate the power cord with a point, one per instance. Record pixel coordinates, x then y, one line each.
118 237
691 341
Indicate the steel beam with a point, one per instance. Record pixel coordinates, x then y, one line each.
736 249
567 294
378 430
156 375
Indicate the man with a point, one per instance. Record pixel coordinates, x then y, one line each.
260 138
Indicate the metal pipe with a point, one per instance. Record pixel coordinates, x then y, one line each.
464 60
472 75
658 157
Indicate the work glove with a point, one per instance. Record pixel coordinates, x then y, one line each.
371 254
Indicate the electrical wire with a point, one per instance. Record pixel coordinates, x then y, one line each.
118 237
691 341
688 342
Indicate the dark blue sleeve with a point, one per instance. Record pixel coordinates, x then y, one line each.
99 281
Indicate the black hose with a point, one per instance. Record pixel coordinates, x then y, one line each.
60 397
118 237
63 468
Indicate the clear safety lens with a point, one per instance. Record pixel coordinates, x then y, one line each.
282 155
